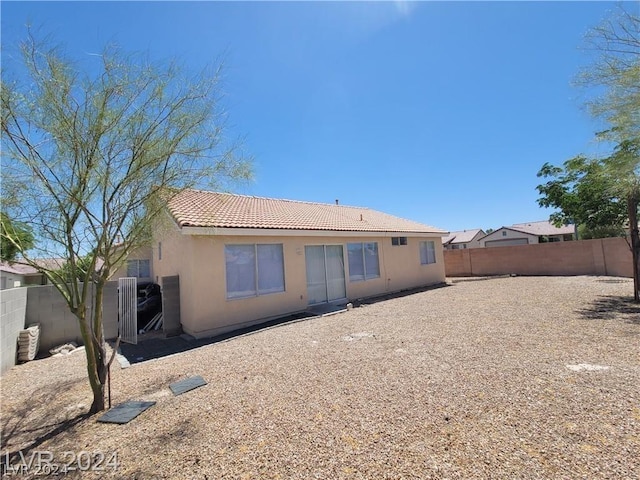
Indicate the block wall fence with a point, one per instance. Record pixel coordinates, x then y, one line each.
604 256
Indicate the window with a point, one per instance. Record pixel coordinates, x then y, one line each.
159 250
253 270
395 241
504 233
138 268
427 252
363 261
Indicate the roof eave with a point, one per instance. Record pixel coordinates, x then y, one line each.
281 232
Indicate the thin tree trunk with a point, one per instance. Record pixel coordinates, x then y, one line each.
93 356
632 205
101 350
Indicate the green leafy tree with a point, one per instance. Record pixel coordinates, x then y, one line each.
601 196
96 152
20 232
584 195
616 73
596 192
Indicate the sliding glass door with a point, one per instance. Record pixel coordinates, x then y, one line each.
325 273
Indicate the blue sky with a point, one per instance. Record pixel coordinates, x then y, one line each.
440 112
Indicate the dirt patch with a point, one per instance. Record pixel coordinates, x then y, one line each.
469 381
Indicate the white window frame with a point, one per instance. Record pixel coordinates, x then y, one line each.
427 252
257 291
137 263
367 274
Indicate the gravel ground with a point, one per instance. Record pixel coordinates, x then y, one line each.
506 378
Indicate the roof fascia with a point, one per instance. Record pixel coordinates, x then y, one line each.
273 232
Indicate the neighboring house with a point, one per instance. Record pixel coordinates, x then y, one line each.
14 275
11 276
527 233
463 239
242 260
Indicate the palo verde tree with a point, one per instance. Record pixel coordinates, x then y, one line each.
603 191
21 235
95 153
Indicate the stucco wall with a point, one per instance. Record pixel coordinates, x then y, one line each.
496 238
12 319
144 253
200 263
10 280
607 256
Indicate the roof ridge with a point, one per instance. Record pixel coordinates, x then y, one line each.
208 192
200 208
527 223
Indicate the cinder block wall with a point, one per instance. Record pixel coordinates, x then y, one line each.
606 256
13 307
46 306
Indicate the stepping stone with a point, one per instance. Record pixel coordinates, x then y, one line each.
125 412
187 384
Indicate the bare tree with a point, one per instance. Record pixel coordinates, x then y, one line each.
94 156
613 78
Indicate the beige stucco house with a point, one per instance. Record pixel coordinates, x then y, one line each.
18 274
242 260
463 239
528 233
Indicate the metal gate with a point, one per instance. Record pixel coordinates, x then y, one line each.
128 309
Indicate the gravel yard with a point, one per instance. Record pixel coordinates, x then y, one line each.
525 377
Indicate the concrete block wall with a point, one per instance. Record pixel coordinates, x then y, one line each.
46 306
606 256
110 310
13 304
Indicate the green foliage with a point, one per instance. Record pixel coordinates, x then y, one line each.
15 237
95 154
616 42
586 233
602 196
79 270
585 193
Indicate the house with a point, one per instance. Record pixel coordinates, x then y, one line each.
16 274
242 260
463 239
139 264
527 233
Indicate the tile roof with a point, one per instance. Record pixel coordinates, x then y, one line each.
542 228
24 269
16 268
197 208
463 236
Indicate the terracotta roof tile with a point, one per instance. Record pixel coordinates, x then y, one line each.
462 236
197 208
542 228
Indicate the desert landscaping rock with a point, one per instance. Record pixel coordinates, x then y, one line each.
470 381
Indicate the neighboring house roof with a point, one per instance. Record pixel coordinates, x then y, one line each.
197 208
542 228
24 269
464 236
15 268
